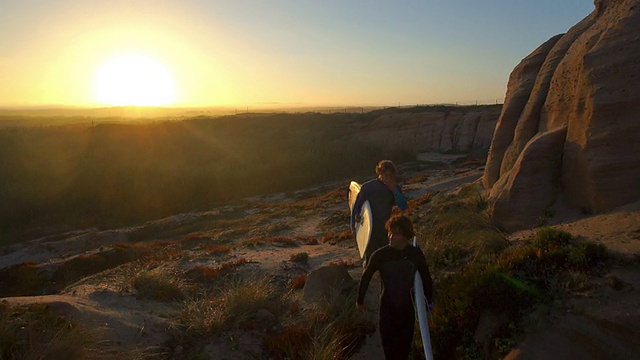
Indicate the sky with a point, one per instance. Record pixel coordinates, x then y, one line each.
196 53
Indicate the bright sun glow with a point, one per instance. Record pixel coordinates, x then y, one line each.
134 80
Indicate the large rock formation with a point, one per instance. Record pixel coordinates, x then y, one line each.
459 129
584 84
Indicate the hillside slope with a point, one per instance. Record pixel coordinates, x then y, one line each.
264 235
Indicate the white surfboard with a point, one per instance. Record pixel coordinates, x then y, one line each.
365 225
422 312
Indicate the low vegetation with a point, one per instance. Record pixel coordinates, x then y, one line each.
158 285
328 330
231 307
35 332
478 272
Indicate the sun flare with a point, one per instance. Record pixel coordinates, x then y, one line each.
134 79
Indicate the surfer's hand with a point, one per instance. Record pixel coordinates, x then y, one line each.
389 180
360 307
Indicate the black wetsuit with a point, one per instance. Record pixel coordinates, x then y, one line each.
397 314
382 201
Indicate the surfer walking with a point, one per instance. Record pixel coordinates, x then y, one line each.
383 193
397 264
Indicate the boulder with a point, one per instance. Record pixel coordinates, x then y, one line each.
325 281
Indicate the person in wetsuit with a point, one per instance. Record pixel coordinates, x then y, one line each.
383 193
397 264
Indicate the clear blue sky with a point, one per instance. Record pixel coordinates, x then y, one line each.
296 52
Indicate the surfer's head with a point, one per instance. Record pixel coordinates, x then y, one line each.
386 167
400 230
386 171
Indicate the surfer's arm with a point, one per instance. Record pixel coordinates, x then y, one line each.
401 200
365 279
362 290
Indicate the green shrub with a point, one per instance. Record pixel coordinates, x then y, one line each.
549 238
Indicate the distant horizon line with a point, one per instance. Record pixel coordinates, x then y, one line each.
255 106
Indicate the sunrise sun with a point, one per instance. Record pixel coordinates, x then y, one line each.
134 79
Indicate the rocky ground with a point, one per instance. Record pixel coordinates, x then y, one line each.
598 322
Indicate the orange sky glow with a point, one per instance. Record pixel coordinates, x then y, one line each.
281 53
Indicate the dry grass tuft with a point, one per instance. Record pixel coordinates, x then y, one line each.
234 307
291 342
158 286
214 249
337 330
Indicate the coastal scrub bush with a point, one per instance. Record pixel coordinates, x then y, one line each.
477 270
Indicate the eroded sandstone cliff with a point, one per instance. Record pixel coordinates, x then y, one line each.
451 128
584 85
